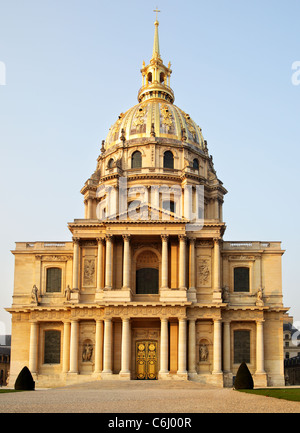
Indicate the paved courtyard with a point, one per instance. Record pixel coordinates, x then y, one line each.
141 397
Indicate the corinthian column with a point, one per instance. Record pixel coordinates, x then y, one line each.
99 346
107 352
217 346
164 347
74 346
182 262
164 260
259 347
125 357
182 347
108 265
66 347
217 294
126 262
100 264
33 349
192 347
75 263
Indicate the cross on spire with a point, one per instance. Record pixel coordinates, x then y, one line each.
156 10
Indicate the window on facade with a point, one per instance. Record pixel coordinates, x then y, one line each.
168 159
136 159
241 279
196 164
110 163
52 347
241 346
147 281
53 283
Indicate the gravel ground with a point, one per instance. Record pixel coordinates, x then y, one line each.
141 397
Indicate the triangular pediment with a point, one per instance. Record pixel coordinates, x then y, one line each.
145 212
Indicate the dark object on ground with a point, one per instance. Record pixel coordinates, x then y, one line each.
25 381
243 378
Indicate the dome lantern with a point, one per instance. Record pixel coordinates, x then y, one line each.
156 76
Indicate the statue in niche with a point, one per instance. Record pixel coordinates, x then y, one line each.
225 294
68 293
259 298
34 295
203 353
87 352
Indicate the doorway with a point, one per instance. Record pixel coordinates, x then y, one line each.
146 360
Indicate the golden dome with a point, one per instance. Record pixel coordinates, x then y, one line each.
155 117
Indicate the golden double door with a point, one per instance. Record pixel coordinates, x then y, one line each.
146 360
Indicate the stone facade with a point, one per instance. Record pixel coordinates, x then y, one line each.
147 288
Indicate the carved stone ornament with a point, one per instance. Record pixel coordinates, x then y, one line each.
203 272
89 272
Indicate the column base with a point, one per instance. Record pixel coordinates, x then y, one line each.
192 295
228 380
123 295
106 374
192 375
163 375
182 375
218 378
260 379
173 295
125 375
75 296
99 295
217 296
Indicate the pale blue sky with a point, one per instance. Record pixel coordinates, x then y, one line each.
72 66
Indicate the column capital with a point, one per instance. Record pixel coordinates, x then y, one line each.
100 240
75 240
109 237
126 237
182 238
165 237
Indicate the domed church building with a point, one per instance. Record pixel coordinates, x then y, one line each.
147 288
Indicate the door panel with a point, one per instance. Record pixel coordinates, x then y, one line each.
146 360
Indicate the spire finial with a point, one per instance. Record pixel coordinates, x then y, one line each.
156 52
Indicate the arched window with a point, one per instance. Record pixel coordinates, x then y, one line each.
53 280
241 279
110 163
136 159
196 164
149 77
52 347
168 159
162 77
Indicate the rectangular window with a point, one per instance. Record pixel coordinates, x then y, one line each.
52 347
53 283
241 279
241 346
